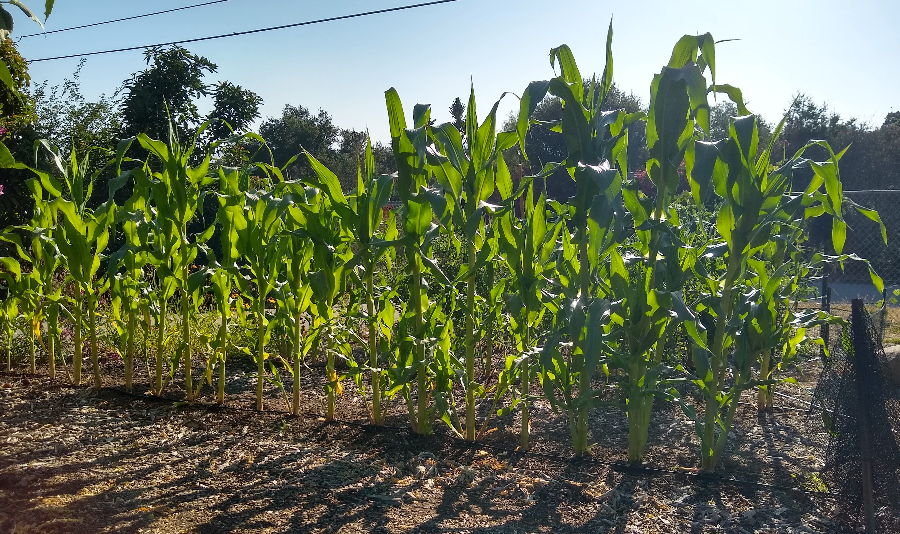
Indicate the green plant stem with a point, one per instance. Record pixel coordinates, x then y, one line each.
470 347
95 352
298 354
763 395
129 351
260 349
717 364
186 322
524 433
422 370
160 342
9 354
584 380
77 356
33 350
377 417
332 378
223 347
51 342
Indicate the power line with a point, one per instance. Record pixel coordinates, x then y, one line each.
248 32
124 19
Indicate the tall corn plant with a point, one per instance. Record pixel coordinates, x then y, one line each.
361 213
593 139
420 206
177 191
469 173
758 206
649 289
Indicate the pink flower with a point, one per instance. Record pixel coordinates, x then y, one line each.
1 190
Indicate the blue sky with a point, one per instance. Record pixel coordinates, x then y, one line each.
842 53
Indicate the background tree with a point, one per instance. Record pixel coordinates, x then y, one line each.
170 85
458 112
235 105
340 150
17 118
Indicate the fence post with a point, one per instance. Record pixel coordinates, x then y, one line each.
863 355
884 297
826 307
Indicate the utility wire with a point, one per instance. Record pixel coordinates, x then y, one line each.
123 19
248 32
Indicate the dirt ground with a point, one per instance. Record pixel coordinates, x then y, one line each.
88 461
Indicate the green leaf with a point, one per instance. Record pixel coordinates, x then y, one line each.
873 215
6 77
48 8
28 12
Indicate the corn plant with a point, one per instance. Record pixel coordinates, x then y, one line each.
648 291
758 207
258 228
81 235
128 289
526 246
469 174
361 214
10 274
295 296
420 205
9 314
329 217
43 257
593 139
177 191
224 271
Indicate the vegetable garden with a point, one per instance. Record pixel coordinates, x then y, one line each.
455 293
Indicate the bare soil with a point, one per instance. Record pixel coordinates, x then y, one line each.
76 459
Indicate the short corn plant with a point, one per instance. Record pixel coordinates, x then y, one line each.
81 235
295 296
10 275
758 207
526 246
258 230
361 213
42 255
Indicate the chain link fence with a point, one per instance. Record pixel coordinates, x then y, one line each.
865 240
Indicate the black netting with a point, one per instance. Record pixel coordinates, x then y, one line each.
852 378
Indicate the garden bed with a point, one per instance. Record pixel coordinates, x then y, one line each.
83 460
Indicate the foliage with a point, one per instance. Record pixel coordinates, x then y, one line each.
167 88
579 294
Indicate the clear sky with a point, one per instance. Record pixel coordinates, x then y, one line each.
844 53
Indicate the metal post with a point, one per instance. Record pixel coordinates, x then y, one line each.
884 297
862 363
